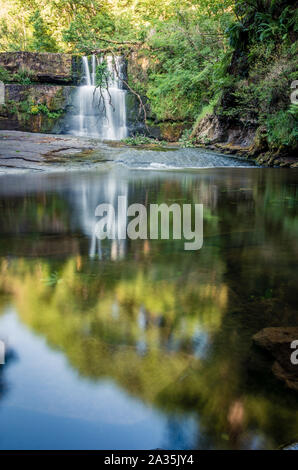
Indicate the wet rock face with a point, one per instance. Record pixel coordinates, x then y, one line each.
216 129
279 343
212 128
54 96
134 115
171 132
45 67
17 114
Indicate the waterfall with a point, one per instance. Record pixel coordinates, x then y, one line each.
100 113
87 75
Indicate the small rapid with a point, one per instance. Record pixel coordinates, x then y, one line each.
176 159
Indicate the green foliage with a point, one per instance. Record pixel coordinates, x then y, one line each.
83 30
42 40
101 74
293 110
283 128
262 97
26 108
141 139
262 21
185 140
41 108
270 28
24 76
188 57
11 106
5 76
236 33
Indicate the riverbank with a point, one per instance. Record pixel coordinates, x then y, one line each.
242 140
266 159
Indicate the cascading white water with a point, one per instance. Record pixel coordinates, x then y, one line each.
100 113
87 75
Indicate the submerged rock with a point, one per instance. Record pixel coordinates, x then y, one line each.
278 341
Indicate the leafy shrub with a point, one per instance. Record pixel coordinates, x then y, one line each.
5 76
11 106
270 28
140 139
282 128
236 33
102 74
293 110
24 76
35 109
185 140
188 59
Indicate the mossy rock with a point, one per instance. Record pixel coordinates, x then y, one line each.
53 102
172 131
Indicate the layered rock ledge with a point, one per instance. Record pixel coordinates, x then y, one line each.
45 67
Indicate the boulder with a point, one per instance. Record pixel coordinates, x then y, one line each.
211 128
277 341
215 129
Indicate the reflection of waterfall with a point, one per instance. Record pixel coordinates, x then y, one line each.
100 113
85 198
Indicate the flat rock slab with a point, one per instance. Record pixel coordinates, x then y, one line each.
48 152
278 342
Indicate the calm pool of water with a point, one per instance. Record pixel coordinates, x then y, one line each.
140 344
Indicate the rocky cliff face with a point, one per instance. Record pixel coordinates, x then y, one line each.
243 139
254 114
45 67
35 108
40 105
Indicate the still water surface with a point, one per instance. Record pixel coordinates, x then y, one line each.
140 344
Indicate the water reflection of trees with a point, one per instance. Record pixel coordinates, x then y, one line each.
181 343
175 328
